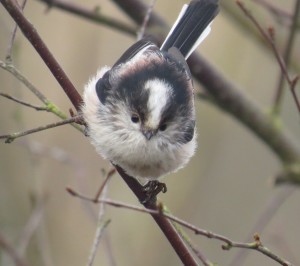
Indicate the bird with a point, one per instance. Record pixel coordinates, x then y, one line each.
140 113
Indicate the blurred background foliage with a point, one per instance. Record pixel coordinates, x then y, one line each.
226 188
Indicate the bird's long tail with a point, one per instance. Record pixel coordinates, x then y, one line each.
191 26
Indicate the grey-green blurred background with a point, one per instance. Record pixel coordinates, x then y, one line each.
225 188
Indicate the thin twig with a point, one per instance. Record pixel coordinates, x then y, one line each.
51 107
8 56
111 261
34 38
103 185
4 245
11 137
205 261
101 224
142 30
31 225
287 56
271 208
280 14
17 74
270 40
37 108
200 255
98 237
137 11
256 245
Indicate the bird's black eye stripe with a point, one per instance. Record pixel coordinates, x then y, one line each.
135 118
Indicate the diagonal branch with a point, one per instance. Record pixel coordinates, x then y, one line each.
17 74
281 62
9 249
287 57
165 225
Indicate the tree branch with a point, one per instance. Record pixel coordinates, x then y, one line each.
11 137
256 245
50 106
13 37
37 108
286 58
269 210
165 225
92 15
282 64
4 245
33 37
141 32
17 74
280 14
240 21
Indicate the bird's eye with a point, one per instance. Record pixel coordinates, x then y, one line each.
163 127
135 118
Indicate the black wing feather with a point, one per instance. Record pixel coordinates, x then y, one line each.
133 50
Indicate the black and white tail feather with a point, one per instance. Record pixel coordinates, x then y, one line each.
140 112
191 27
189 30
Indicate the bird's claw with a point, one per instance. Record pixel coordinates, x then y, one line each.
152 189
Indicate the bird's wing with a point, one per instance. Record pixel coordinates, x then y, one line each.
134 49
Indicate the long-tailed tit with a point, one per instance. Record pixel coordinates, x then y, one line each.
140 113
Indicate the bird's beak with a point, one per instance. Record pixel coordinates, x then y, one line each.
148 133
